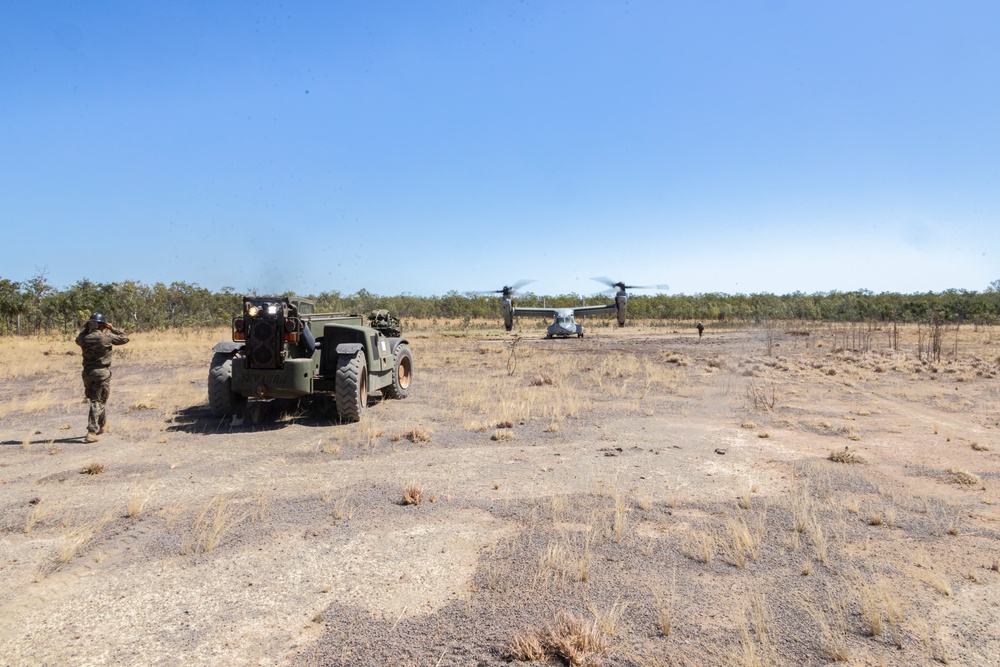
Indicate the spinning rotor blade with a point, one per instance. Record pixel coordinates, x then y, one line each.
508 290
607 281
621 286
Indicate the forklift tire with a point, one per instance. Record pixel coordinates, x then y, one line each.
222 400
352 386
402 373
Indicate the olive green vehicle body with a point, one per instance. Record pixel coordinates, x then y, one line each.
304 374
282 349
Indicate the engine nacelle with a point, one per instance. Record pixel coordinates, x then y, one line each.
621 300
507 306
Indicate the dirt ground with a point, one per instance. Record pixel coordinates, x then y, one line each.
640 496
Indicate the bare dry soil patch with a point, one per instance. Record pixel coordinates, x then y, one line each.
635 497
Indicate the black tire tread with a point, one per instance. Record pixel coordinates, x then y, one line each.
222 400
350 369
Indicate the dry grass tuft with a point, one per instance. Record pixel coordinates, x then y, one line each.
756 647
40 511
343 510
846 455
502 435
211 524
963 477
566 638
833 630
418 435
879 606
700 546
567 561
938 582
745 499
980 447
666 606
413 495
739 542
749 425
137 499
145 403
93 469
849 432
79 537
219 517
541 380
643 502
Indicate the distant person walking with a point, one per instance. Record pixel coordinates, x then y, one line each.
96 341
701 328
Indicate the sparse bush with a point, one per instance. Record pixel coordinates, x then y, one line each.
541 379
845 455
501 435
761 397
418 435
413 495
93 469
567 638
963 477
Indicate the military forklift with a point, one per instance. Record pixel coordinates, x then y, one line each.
281 348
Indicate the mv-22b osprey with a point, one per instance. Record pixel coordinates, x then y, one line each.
564 323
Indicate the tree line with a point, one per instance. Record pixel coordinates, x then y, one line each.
34 306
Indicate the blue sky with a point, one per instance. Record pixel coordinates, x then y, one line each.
423 147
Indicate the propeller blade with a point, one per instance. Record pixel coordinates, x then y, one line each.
521 283
617 286
507 289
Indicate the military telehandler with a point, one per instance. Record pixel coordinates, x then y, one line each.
281 348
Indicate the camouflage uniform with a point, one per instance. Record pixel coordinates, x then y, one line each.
96 344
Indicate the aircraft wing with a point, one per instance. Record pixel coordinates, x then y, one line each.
536 312
590 309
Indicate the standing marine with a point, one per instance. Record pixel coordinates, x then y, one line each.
96 340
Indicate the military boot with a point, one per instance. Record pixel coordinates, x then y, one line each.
90 437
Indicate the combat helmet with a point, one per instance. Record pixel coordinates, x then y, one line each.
98 318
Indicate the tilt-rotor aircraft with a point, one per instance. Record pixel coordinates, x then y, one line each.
564 322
